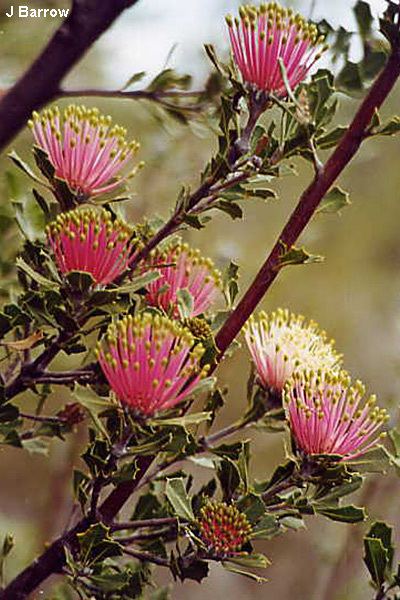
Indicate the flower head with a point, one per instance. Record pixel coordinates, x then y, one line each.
282 342
150 362
88 240
84 147
223 528
327 415
263 35
182 268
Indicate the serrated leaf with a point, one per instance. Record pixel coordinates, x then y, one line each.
334 201
376 559
96 544
343 514
176 493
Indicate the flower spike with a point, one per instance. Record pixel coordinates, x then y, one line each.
282 342
262 36
327 415
84 147
150 362
183 268
88 240
223 528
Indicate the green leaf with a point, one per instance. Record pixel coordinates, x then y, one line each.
136 77
233 569
8 545
266 528
137 283
255 561
378 552
193 419
376 460
332 138
298 256
343 514
94 404
36 446
350 78
229 478
176 493
169 79
35 276
391 127
25 168
96 544
230 283
185 303
230 208
364 18
80 281
334 201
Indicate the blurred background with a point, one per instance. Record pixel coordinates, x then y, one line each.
354 294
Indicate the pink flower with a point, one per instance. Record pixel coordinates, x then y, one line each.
85 149
88 240
328 416
282 342
262 36
150 362
223 528
182 268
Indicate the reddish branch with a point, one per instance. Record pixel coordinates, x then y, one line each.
310 200
86 22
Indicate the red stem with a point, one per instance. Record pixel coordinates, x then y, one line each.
310 200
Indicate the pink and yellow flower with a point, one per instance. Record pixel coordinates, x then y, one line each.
150 362
282 342
183 268
84 147
328 415
88 240
223 528
263 35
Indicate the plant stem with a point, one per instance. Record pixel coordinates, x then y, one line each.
144 523
310 200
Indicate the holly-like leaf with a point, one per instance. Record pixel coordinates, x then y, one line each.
343 514
96 544
176 493
379 552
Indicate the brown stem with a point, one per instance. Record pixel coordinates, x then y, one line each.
86 22
310 200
